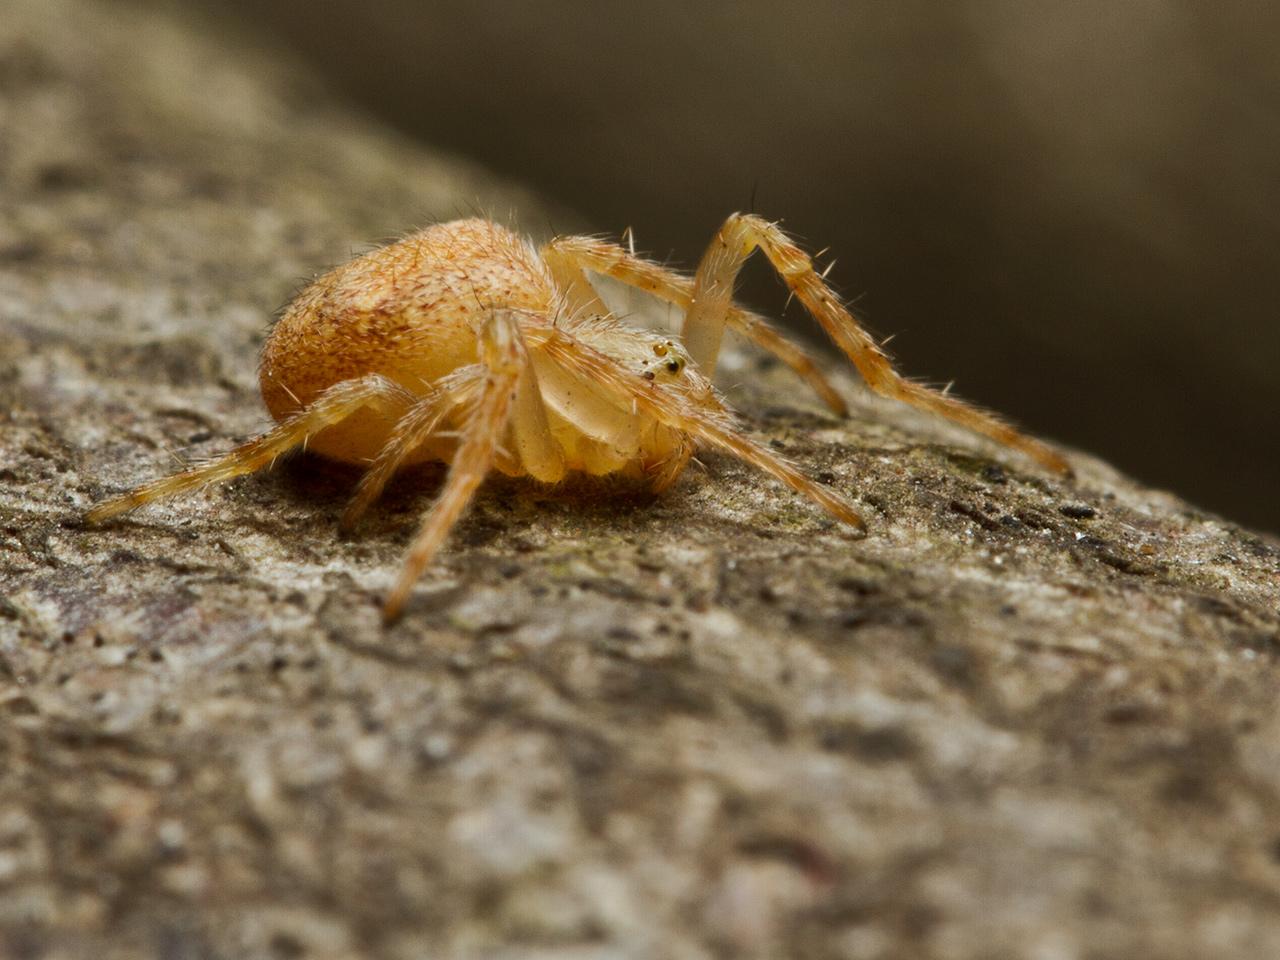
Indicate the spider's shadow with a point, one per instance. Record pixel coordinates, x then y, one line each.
315 481
327 486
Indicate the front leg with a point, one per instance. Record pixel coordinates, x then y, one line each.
568 257
704 326
705 421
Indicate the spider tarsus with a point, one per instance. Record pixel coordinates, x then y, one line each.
392 609
102 512
1058 465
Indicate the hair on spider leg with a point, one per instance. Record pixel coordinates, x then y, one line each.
175 456
791 295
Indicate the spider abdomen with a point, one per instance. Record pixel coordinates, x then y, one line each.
409 312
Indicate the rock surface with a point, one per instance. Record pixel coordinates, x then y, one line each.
1023 718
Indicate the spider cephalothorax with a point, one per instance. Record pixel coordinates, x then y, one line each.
464 343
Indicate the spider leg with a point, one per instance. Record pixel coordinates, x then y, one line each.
567 257
665 473
705 423
505 358
540 455
334 405
740 235
409 433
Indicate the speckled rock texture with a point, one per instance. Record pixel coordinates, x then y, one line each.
1024 718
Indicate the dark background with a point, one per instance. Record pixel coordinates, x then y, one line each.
1070 209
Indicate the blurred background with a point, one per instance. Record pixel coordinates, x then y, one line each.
1069 209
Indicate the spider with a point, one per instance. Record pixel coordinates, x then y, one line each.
467 344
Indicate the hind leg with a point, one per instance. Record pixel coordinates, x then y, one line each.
333 406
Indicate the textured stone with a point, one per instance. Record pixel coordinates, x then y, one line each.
1022 718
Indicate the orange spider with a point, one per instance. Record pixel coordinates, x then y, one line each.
465 343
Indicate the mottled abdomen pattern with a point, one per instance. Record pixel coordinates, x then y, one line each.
401 315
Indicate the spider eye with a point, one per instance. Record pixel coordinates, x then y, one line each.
675 366
660 349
